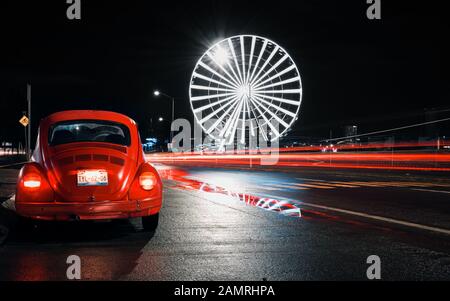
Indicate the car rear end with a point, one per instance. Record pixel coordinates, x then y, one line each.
88 165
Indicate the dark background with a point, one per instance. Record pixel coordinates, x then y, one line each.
373 73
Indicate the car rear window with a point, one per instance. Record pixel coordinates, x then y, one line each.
89 131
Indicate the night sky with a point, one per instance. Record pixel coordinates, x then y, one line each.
374 73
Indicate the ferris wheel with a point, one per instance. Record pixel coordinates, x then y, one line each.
245 85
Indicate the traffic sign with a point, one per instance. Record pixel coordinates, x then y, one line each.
24 120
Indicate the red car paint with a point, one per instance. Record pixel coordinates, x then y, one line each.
54 169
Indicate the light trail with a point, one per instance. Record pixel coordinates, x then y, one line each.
347 156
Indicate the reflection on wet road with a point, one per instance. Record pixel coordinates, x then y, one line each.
219 224
180 180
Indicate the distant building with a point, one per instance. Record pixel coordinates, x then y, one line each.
350 130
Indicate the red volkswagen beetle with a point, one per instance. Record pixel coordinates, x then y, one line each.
89 165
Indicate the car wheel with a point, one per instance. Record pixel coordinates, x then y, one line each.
150 223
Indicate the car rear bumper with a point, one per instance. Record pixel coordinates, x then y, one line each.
89 210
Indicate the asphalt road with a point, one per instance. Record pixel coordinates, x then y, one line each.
229 224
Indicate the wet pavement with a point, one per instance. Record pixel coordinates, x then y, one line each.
250 225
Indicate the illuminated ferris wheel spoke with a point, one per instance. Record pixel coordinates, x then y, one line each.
277 75
245 81
252 129
210 105
243 123
258 126
209 88
198 75
288 91
267 110
270 104
259 59
212 96
277 109
232 133
226 55
233 79
252 51
272 54
261 128
231 82
227 128
286 81
219 120
268 72
217 74
233 53
267 121
234 72
283 100
249 118
243 59
210 115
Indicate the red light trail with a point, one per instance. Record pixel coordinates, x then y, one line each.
401 157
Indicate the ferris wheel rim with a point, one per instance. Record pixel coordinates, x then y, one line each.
214 45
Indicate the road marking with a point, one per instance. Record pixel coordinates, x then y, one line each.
287 185
380 218
431 190
320 186
334 184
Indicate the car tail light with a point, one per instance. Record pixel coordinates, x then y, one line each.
147 180
33 185
32 181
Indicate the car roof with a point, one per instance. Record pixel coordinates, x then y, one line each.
88 115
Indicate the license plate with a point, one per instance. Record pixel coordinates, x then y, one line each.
92 178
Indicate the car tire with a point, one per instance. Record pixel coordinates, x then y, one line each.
150 223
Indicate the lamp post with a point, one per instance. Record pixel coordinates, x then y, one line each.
158 93
29 121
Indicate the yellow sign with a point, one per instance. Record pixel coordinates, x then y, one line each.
24 120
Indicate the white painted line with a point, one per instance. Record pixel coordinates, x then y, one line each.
381 218
431 190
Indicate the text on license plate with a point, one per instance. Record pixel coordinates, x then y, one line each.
92 177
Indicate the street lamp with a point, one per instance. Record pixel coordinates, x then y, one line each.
157 93
160 119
